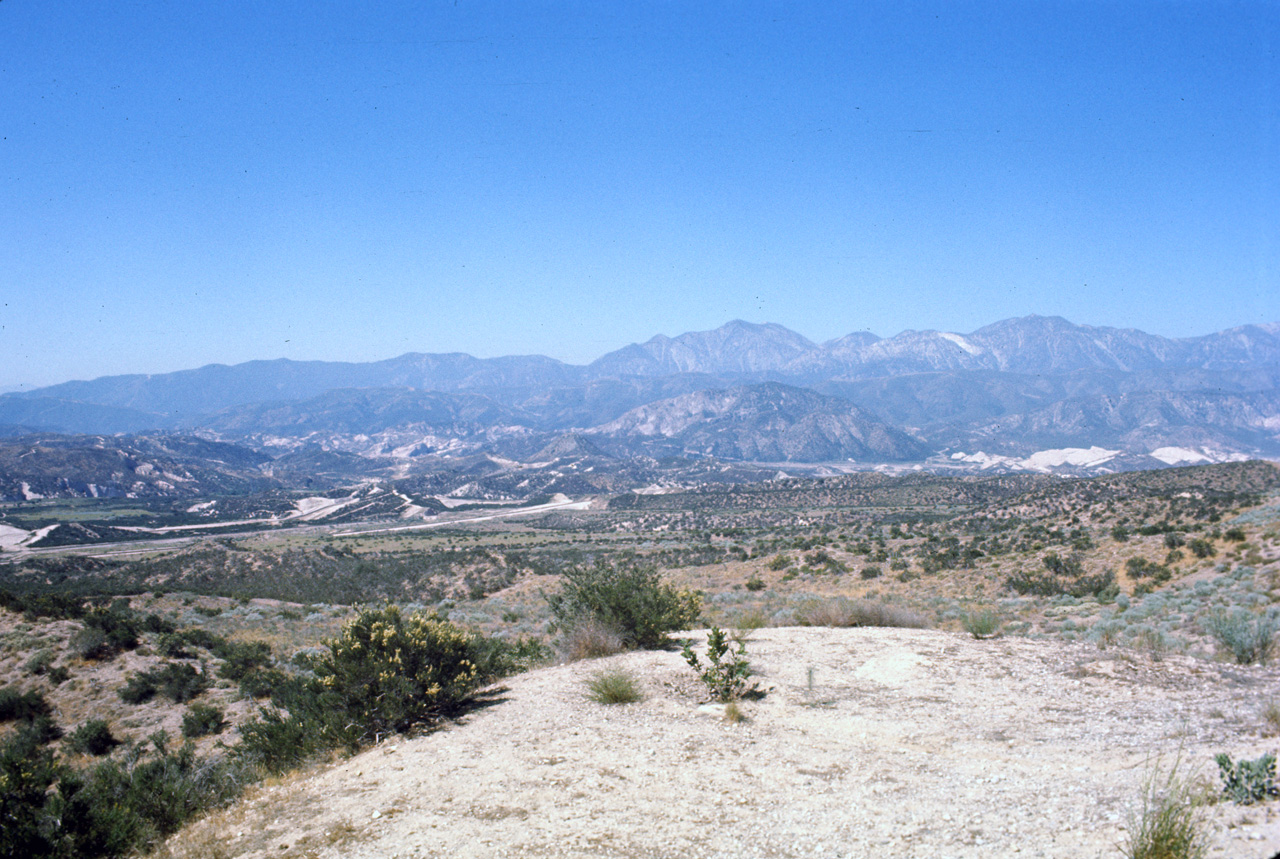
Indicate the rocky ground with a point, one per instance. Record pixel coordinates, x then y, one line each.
866 742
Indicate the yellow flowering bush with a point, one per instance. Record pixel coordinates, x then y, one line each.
387 672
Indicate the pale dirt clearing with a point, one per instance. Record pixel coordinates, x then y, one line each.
867 742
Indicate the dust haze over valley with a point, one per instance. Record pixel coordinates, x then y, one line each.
717 430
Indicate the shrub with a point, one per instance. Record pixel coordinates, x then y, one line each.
118 807
1174 540
177 681
755 583
502 657
1202 548
37 731
871 572
1064 576
387 673
842 612
1235 535
261 682
242 657
40 662
22 705
726 672
91 644
94 737
1120 533
629 598
1169 823
201 720
118 628
589 639
982 623
1246 782
778 563
1249 638
613 687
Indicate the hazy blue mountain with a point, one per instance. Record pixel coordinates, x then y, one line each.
1015 382
769 422
186 394
52 466
51 414
601 400
367 410
1139 421
735 349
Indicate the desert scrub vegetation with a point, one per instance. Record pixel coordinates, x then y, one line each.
94 738
385 673
1247 637
589 639
110 809
981 622
1246 782
1169 821
177 681
613 687
844 612
727 670
627 597
202 720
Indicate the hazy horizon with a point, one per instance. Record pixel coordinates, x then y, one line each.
218 183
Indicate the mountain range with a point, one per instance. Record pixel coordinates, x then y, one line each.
742 392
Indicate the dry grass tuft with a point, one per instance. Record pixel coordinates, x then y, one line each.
589 639
842 612
613 687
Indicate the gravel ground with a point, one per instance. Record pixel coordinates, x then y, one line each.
866 742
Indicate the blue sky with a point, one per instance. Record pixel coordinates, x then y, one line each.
198 182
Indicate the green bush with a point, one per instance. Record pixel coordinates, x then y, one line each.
1202 548
613 687
40 662
242 657
262 682
385 673
755 583
1246 782
389 673
38 730
1064 576
22 705
118 807
94 737
177 681
726 672
629 598
108 631
201 720
278 742
1249 638
981 623
27 774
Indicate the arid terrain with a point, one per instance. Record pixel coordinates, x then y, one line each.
866 742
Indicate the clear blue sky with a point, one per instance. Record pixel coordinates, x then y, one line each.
192 182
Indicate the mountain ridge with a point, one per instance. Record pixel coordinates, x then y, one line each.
1011 386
